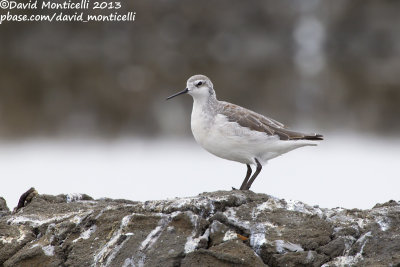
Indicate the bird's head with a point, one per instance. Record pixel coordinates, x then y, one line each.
198 86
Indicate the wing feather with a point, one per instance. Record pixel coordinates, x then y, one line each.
260 123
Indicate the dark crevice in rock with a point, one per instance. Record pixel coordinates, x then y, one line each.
177 261
36 232
64 252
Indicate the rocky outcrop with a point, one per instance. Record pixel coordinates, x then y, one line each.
235 228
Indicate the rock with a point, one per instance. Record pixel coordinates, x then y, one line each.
230 253
26 198
3 207
235 228
335 248
219 233
13 239
296 259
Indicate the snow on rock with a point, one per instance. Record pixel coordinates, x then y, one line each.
230 235
111 246
74 197
48 250
283 246
350 260
257 237
86 234
151 238
192 242
36 221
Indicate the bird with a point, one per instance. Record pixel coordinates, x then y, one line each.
238 134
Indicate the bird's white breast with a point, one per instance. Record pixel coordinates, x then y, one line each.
219 136
201 123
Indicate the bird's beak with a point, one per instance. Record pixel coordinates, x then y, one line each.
180 93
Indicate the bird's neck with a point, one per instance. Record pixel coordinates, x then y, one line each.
203 115
204 103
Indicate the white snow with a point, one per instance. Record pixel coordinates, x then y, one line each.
192 242
350 260
76 219
48 250
36 221
4 239
21 237
230 235
271 204
128 263
257 237
151 238
383 223
110 248
310 256
139 258
380 216
230 214
73 197
298 206
283 246
86 234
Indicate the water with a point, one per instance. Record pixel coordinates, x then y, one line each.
351 172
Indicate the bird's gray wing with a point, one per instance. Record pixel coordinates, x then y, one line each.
260 123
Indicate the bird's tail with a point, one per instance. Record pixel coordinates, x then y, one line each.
314 137
285 134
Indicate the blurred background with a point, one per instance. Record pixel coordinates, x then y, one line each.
82 104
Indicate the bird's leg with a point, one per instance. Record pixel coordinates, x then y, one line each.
246 179
258 170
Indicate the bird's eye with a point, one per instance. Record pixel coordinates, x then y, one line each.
199 83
